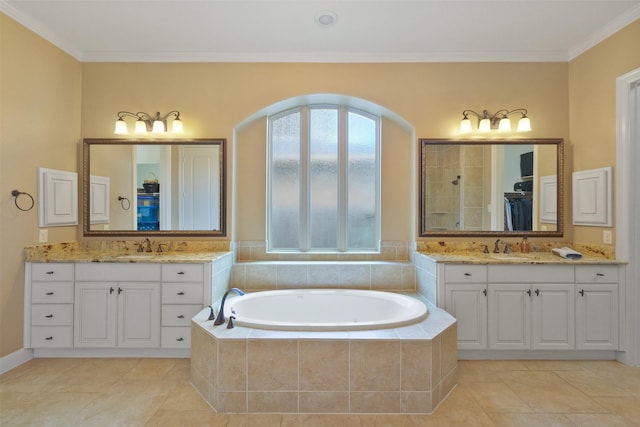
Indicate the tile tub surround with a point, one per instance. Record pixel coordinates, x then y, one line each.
403 370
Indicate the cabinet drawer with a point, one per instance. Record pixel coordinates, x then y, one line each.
182 293
51 272
51 293
597 274
179 315
465 273
531 273
176 337
118 272
51 336
52 314
182 272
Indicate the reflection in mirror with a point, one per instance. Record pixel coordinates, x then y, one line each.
491 187
155 187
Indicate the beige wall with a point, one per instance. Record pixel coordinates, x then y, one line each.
592 95
50 101
39 127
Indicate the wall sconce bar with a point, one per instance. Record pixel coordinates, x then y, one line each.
147 123
500 120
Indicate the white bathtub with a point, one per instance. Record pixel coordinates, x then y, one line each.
324 310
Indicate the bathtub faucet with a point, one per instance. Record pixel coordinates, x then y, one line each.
220 319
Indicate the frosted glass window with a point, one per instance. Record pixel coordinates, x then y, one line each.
323 180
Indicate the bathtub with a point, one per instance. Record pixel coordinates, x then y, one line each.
324 310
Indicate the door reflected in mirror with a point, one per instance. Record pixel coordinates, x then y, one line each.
491 187
157 187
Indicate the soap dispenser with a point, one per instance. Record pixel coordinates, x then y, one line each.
525 247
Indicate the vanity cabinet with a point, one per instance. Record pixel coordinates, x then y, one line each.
182 298
122 311
597 307
531 307
51 305
466 300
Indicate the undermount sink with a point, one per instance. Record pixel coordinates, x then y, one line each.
136 256
508 256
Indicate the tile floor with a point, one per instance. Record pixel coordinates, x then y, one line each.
157 392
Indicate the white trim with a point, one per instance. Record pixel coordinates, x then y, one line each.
628 208
15 359
608 30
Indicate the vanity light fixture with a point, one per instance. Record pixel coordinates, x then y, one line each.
147 123
500 120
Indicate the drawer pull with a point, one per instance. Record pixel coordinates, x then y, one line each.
49 293
600 274
468 274
180 273
49 272
581 292
484 292
180 293
181 316
180 339
529 292
111 290
49 316
49 338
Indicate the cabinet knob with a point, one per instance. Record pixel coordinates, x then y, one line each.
49 293
180 293
180 339
181 316
49 316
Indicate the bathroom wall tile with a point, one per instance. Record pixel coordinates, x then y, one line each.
386 276
232 401
238 276
291 276
408 277
325 275
375 402
416 365
324 401
232 365
375 365
436 371
355 276
324 365
272 365
260 276
211 359
416 402
259 253
272 401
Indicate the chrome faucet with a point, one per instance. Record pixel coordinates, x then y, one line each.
496 248
220 319
148 243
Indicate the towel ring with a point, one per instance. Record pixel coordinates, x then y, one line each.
124 203
17 194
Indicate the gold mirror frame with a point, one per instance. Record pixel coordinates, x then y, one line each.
86 173
559 232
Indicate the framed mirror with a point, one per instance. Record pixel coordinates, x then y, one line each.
491 187
154 187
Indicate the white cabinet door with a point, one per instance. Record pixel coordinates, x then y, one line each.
468 304
95 314
138 314
597 316
553 316
509 319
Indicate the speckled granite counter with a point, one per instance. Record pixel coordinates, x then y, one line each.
127 251
472 253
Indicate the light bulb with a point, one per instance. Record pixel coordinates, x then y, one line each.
141 126
158 127
465 125
121 127
524 124
504 125
484 125
177 127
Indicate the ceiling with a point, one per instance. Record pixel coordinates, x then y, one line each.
288 31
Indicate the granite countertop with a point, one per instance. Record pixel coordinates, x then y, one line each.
516 258
126 251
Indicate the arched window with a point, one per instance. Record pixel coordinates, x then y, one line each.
323 180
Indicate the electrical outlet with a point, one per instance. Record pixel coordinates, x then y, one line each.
43 236
607 238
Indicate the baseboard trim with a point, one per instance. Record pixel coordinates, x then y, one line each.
15 359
